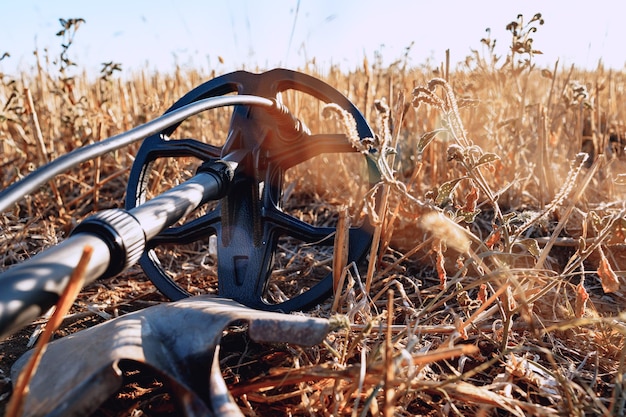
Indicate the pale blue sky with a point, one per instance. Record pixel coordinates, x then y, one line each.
158 33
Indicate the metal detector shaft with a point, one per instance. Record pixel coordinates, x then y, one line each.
118 238
32 181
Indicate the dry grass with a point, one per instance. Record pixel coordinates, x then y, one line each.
495 286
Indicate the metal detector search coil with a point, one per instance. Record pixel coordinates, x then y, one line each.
245 176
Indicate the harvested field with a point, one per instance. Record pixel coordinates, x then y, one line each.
496 281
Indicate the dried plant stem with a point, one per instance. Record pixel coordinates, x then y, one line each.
373 257
74 285
361 381
92 191
551 93
568 211
593 244
98 170
483 307
399 328
41 146
558 199
444 354
542 160
337 290
426 243
340 252
389 368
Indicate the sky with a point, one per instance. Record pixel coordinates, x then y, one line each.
236 34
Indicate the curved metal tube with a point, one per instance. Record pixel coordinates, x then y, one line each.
19 189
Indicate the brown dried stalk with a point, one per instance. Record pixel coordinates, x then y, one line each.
74 285
388 408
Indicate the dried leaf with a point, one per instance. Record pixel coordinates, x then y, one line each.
470 200
426 138
455 153
468 216
462 296
533 373
610 281
469 211
532 246
486 159
493 238
460 327
471 394
482 293
581 300
445 190
441 268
